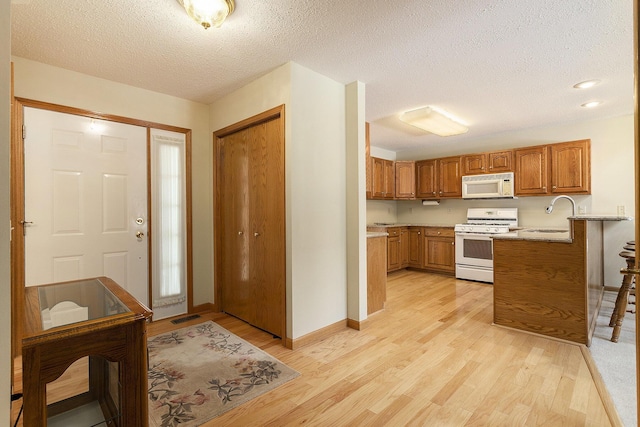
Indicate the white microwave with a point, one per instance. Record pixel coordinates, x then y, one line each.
489 186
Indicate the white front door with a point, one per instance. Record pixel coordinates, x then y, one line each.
85 200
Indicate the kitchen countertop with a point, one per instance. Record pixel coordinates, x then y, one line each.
371 234
389 225
602 217
558 235
543 234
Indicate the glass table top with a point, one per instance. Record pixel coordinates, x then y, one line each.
71 302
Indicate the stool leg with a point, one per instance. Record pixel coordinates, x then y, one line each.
621 306
618 304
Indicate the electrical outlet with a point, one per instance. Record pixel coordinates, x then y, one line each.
582 210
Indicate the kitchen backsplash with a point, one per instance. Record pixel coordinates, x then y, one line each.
531 211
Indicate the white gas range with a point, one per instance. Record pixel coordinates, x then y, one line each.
474 241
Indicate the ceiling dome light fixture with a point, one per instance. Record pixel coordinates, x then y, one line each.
586 84
434 120
208 13
591 104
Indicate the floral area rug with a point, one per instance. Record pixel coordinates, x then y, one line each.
199 372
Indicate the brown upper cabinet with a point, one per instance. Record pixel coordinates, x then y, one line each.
426 179
439 178
571 167
532 176
383 179
540 170
553 169
492 162
405 180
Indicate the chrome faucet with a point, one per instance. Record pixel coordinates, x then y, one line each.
549 208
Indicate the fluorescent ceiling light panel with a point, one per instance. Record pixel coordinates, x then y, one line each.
435 121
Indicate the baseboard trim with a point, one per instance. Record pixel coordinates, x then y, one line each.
316 336
354 324
607 402
206 307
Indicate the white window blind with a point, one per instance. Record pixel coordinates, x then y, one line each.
168 216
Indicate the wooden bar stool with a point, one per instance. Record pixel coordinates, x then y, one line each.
623 296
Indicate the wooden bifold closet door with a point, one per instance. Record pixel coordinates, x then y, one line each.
250 221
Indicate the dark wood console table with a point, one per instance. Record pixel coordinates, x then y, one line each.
105 323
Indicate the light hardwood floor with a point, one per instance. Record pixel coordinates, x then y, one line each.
430 358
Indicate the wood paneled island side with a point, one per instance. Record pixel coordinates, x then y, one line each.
550 283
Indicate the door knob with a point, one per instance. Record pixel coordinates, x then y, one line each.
139 234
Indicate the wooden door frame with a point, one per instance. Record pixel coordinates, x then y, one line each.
271 114
17 203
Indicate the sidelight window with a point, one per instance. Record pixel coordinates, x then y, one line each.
168 236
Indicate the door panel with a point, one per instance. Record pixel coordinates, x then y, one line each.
267 148
238 293
85 184
250 228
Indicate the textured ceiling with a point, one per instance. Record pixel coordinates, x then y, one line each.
499 65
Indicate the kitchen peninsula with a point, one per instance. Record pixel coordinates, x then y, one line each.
551 282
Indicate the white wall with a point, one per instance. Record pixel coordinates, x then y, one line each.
38 81
5 213
356 202
317 158
612 184
315 186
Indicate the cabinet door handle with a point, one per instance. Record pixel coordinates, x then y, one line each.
256 234
554 187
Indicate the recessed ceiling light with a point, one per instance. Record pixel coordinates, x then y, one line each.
586 84
591 104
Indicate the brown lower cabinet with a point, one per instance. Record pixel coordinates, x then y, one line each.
439 250
424 248
376 273
394 257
